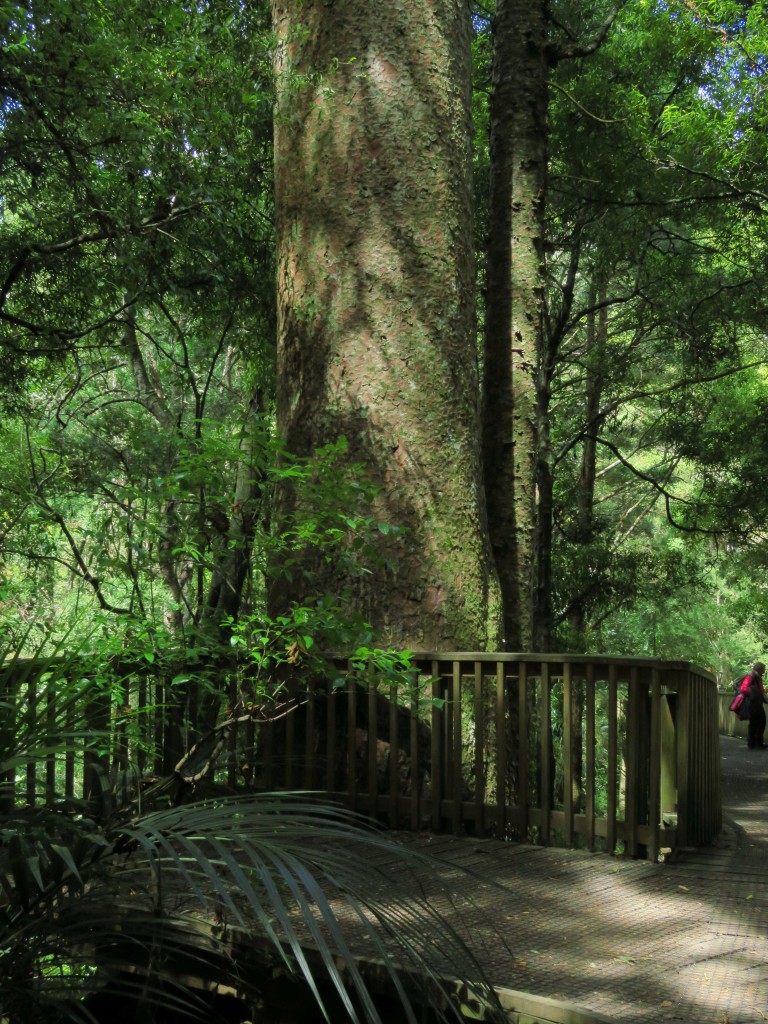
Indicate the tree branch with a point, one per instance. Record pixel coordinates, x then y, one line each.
576 49
662 491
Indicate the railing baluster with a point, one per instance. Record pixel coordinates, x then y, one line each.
501 729
654 759
479 773
373 742
683 731
394 758
523 750
233 769
589 782
545 766
634 726
612 760
31 717
436 750
568 778
332 783
457 748
50 761
351 781
415 809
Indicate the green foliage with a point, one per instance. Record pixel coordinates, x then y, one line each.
137 330
653 211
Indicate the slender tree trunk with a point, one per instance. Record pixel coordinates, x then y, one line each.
233 560
596 337
545 484
376 297
515 303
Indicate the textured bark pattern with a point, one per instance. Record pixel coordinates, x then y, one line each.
376 290
515 302
596 344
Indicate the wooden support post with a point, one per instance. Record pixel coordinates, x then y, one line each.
545 764
456 749
568 780
351 739
373 741
415 794
523 750
501 753
683 760
332 783
479 767
654 758
436 753
612 760
393 813
589 795
633 788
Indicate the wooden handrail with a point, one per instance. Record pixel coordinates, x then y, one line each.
614 753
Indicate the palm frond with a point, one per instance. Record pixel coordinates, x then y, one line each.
124 895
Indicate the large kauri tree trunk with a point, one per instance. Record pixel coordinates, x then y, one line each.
376 296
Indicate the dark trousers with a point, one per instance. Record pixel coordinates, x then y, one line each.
756 727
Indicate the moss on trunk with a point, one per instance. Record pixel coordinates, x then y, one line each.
376 293
515 302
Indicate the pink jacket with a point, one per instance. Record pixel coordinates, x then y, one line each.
747 682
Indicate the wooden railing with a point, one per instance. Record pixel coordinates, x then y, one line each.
612 753
618 754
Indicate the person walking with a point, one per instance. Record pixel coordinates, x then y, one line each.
753 688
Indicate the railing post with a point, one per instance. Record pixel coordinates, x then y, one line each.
96 764
415 748
373 743
479 774
437 771
502 728
633 789
612 773
351 739
394 761
668 715
31 718
332 780
683 758
589 795
545 765
568 754
523 749
655 766
456 748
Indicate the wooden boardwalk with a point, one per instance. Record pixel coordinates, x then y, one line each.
633 941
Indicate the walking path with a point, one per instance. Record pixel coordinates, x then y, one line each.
636 942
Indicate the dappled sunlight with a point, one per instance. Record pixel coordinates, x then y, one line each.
636 941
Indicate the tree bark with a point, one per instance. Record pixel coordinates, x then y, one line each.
596 341
515 302
376 298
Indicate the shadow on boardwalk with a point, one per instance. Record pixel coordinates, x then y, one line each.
685 940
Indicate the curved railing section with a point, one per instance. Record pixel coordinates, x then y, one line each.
619 754
615 754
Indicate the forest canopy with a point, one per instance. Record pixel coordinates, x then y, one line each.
379 327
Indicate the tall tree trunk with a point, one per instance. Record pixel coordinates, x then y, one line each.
515 302
376 296
596 340
233 561
543 625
